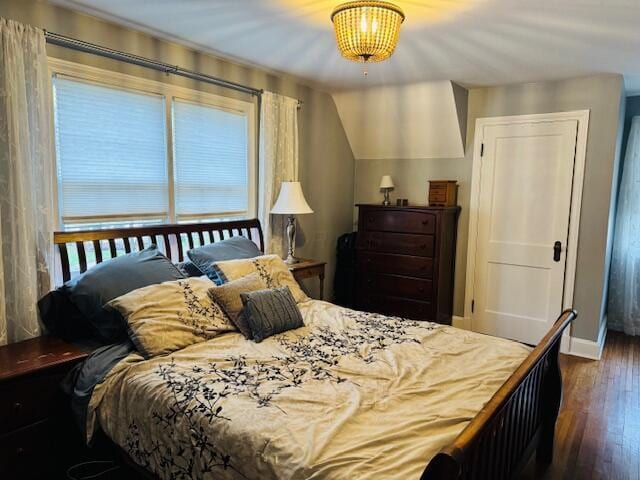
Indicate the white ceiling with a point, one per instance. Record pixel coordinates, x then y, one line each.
472 42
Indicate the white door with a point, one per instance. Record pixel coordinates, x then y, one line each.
524 200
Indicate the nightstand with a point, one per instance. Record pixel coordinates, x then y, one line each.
307 268
32 408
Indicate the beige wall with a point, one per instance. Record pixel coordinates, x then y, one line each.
601 95
387 122
326 161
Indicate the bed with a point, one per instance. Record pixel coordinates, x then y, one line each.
349 395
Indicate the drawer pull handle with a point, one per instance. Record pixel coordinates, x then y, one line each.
425 222
17 406
20 451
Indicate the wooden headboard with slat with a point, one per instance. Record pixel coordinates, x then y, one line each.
80 250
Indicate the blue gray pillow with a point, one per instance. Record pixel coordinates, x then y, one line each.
230 249
188 269
114 278
270 311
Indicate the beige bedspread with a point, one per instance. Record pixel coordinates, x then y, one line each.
351 395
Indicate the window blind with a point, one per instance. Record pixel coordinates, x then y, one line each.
210 160
112 151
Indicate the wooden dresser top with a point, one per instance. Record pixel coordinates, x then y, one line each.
406 207
36 354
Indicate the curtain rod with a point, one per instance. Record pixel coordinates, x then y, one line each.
82 46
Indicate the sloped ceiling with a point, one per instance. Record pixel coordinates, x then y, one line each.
472 42
421 120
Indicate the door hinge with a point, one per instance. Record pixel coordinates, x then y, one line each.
473 304
481 149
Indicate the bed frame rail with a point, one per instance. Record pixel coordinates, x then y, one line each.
519 419
91 247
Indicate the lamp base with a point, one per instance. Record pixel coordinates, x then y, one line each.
386 202
291 237
290 260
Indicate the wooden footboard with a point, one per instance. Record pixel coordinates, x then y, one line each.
519 418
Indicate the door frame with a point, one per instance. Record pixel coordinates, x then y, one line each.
582 117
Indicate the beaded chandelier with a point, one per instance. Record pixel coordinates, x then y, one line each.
367 31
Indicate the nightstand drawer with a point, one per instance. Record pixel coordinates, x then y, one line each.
26 453
28 399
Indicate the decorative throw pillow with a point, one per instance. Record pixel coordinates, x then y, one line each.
170 316
271 269
270 311
228 297
229 249
114 278
188 269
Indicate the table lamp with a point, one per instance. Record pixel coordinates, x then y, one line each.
291 202
386 184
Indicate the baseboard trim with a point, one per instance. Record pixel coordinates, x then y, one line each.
588 348
461 322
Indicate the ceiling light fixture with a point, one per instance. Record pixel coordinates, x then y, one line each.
367 31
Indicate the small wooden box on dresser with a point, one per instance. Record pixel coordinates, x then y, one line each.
35 427
406 258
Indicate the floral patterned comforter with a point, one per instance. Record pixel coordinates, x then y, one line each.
350 395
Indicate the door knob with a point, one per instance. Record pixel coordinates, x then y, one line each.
557 249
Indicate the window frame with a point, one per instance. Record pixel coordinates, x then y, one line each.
169 92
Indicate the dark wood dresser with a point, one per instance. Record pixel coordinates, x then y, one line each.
406 258
33 426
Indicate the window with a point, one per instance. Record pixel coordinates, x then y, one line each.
210 160
111 150
131 151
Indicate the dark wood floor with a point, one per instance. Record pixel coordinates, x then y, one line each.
598 430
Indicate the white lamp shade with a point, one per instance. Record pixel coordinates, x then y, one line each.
291 200
386 182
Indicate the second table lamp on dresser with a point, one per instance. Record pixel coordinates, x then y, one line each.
291 202
386 185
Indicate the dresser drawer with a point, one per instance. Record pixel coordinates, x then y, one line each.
395 285
408 265
26 400
399 221
401 243
396 306
27 453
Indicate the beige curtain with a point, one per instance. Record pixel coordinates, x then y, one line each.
278 162
26 179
